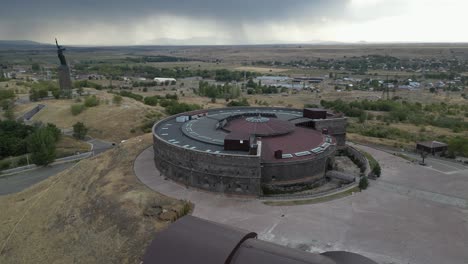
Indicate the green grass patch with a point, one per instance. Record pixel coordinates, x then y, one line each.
374 164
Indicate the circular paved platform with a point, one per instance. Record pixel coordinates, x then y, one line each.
381 223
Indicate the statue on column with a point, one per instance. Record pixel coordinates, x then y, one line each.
60 51
65 82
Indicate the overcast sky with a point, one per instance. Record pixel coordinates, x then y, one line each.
138 22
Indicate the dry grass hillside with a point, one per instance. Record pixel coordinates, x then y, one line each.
95 212
106 121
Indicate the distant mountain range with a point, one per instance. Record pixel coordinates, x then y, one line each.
22 44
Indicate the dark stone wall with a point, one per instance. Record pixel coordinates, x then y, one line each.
222 173
357 157
309 171
238 174
336 127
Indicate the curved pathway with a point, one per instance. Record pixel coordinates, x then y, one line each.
24 177
386 225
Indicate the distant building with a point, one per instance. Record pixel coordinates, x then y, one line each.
432 147
163 80
273 79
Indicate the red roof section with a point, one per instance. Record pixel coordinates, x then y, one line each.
272 127
302 139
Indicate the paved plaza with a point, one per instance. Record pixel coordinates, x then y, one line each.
412 214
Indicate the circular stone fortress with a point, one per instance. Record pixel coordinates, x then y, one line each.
243 150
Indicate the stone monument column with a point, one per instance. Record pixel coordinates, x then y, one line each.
65 82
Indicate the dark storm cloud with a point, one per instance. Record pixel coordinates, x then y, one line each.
120 10
41 19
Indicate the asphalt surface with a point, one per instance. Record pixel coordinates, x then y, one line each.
412 214
100 146
20 181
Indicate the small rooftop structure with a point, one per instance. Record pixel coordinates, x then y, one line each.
431 147
194 240
315 113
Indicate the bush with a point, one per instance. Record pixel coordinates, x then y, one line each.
76 109
376 170
6 94
91 101
242 102
117 99
458 146
176 108
41 144
86 83
152 100
79 130
5 165
172 96
22 161
132 95
363 183
166 102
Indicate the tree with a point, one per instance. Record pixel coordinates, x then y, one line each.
363 183
8 114
41 145
8 106
54 131
56 94
13 138
79 130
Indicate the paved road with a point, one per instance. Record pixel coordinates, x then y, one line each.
18 182
100 146
441 165
410 215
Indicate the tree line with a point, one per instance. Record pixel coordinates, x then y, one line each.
149 72
226 91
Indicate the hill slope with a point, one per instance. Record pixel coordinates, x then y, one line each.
95 212
106 121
